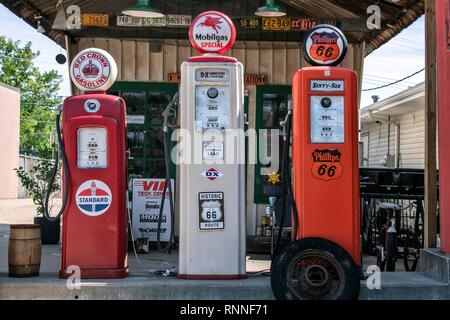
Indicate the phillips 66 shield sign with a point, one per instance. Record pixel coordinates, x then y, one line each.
147 195
325 45
327 164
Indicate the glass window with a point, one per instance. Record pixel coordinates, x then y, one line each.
271 108
135 102
274 108
145 103
135 141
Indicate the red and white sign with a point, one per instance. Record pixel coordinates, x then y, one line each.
325 45
93 198
212 174
93 70
147 196
212 32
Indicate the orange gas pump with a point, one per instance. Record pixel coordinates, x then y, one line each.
324 259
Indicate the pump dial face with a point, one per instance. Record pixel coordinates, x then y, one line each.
211 108
327 119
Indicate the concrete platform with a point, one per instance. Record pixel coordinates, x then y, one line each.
142 284
137 287
435 264
394 286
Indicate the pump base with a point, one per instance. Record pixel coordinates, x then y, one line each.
97 273
212 277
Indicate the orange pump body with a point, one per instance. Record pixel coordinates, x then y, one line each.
325 157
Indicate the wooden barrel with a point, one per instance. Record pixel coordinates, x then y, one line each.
24 250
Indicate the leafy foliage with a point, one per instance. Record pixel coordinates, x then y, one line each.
36 180
38 99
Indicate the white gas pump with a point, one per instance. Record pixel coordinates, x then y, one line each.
212 210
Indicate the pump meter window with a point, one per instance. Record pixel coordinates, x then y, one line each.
327 119
92 151
211 107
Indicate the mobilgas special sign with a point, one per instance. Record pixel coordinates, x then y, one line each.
147 195
212 32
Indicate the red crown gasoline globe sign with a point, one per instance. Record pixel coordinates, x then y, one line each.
212 32
93 69
325 45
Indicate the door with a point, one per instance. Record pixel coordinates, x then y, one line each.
145 104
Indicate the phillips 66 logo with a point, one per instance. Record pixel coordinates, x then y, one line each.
326 165
325 45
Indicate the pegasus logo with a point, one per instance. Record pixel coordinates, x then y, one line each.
211 22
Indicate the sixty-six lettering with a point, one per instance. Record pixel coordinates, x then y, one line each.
327 85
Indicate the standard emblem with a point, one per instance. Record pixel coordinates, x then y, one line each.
93 198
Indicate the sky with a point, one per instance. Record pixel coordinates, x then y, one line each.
400 57
14 28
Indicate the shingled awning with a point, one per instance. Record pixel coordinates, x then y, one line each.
395 16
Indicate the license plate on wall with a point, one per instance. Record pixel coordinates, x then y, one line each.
279 24
95 20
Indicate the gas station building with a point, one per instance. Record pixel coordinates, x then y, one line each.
149 55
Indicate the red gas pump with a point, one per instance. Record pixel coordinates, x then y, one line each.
324 259
94 211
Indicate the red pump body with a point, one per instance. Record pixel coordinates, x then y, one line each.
325 156
95 218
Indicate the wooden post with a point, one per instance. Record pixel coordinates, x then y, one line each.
430 127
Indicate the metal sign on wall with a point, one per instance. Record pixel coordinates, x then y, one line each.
146 204
256 24
249 79
95 20
297 24
172 20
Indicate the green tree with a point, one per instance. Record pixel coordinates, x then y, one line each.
39 97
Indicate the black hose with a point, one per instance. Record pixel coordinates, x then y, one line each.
285 179
287 193
54 173
168 184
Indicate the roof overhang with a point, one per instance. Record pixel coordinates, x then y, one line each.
406 101
395 16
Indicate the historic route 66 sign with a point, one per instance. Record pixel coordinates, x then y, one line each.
325 45
211 210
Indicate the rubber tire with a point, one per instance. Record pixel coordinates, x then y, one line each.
280 265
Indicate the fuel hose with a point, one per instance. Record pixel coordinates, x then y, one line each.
168 184
287 197
55 172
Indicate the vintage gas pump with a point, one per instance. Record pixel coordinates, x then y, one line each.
93 139
212 217
324 259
